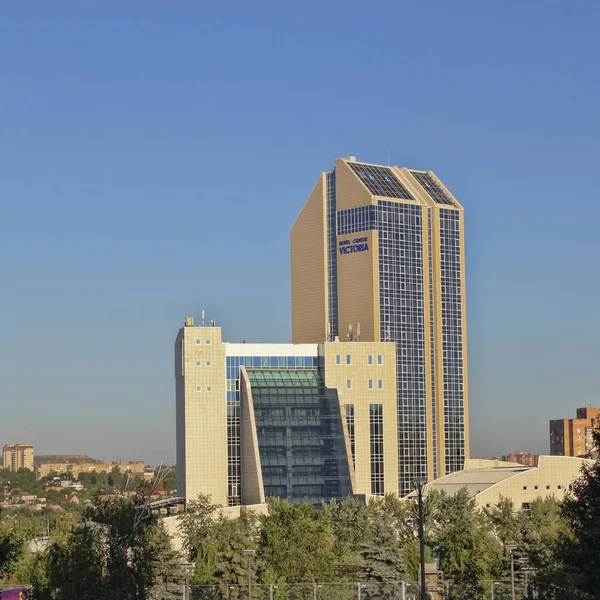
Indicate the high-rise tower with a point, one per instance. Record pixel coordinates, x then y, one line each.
384 247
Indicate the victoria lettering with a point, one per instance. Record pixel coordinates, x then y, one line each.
355 245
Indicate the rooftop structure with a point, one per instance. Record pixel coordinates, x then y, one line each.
489 480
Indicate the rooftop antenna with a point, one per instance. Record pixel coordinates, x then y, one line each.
328 332
349 333
202 322
213 322
358 332
387 334
388 157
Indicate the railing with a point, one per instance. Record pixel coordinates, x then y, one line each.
294 591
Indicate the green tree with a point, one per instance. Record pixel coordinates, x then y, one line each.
165 565
296 543
577 553
129 550
541 528
198 528
74 569
233 537
11 545
117 553
350 525
23 480
404 517
505 521
382 557
470 553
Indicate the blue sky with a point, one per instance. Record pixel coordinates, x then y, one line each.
154 155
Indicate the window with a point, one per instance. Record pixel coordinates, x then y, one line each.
348 384
525 488
380 384
338 359
376 446
560 487
525 506
547 487
370 359
207 342
535 487
208 388
380 359
349 408
198 342
348 359
208 363
370 384
198 363
198 388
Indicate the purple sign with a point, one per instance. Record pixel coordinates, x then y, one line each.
14 594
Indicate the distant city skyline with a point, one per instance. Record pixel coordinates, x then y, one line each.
157 175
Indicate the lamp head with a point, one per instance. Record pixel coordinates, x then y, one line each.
419 483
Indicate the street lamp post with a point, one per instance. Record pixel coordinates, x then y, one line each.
495 583
511 548
419 485
249 554
187 567
526 572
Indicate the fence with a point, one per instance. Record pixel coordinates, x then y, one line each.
496 590
294 591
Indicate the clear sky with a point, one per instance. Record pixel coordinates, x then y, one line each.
153 156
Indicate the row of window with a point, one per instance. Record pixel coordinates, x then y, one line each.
198 342
370 384
338 359
208 388
535 487
206 364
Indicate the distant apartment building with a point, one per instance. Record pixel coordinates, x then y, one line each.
521 458
17 456
74 469
573 437
62 458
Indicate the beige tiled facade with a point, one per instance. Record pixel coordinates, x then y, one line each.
201 413
17 456
372 377
333 290
360 374
522 485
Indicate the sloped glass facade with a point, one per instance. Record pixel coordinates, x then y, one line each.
300 436
234 449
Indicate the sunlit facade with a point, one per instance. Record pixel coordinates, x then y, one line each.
303 422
